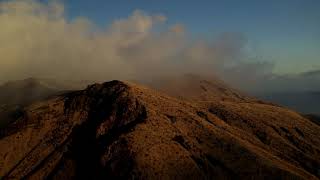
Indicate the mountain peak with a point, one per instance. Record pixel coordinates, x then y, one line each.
123 130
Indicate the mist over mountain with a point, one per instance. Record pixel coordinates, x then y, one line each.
38 40
15 95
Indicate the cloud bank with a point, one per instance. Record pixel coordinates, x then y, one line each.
37 40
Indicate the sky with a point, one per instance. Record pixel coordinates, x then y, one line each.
256 45
286 32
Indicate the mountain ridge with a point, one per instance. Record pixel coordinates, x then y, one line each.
123 130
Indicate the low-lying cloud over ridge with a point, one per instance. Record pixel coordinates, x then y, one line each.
37 40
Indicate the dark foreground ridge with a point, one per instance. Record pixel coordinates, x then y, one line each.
90 121
120 130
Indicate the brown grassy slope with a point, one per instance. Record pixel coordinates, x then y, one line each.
24 91
195 87
124 130
314 118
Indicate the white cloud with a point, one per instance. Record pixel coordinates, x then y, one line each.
37 40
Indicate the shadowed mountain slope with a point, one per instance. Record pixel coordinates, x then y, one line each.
123 130
15 95
25 91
